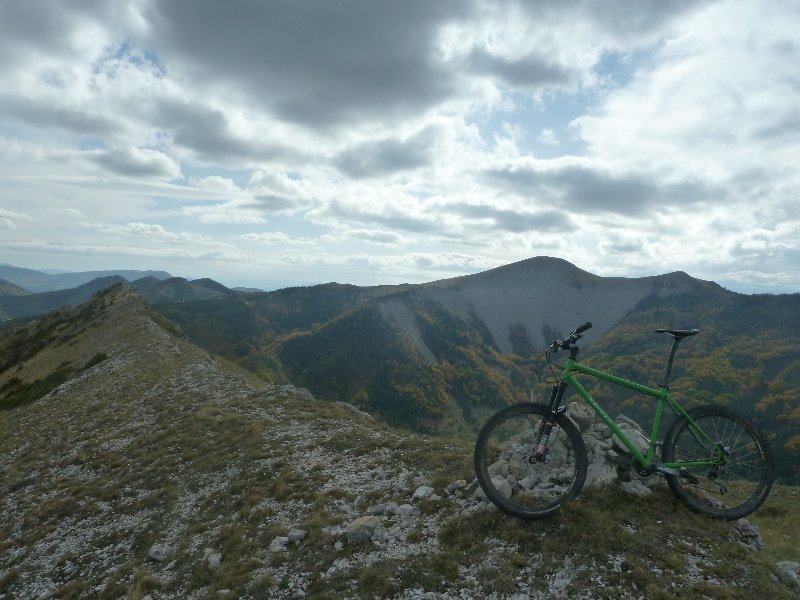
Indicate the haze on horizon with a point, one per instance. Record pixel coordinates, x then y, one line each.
264 143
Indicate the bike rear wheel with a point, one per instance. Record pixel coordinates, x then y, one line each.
740 483
515 482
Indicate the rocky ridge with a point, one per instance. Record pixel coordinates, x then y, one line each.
163 472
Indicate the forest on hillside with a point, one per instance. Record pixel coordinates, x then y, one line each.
334 340
747 357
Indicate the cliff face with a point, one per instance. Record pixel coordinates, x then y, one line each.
546 296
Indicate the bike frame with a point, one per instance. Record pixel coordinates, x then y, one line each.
661 394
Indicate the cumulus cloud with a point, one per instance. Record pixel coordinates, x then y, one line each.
447 129
138 162
312 62
597 189
388 156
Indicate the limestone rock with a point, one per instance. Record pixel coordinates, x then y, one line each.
295 535
388 509
159 552
279 544
422 492
789 573
502 486
212 558
363 529
456 486
636 488
749 534
407 511
581 414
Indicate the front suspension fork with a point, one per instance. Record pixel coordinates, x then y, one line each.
541 450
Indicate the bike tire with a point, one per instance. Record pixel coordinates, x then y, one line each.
515 485
730 491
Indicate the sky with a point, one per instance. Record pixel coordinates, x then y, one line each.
265 143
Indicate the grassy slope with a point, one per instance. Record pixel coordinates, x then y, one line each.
160 444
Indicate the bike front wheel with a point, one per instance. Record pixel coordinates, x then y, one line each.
517 479
740 480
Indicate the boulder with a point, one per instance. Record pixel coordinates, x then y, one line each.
363 529
581 414
749 534
295 535
422 492
279 544
213 559
789 574
159 552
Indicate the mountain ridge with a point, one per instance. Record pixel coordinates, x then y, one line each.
38 282
441 357
159 470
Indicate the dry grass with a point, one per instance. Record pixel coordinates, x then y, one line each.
163 446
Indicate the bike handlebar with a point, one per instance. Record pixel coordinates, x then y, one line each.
573 337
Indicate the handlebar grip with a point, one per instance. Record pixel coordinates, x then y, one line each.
584 327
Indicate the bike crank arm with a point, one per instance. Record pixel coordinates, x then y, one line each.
683 473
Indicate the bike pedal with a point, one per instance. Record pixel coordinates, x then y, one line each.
684 473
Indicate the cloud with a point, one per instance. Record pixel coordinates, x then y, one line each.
527 71
374 236
388 156
209 133
9 218
310 62
594 189
394 216
45 115
138 162
277 238
665 136
514 221
548 137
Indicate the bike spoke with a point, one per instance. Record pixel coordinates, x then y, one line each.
739 476
519 479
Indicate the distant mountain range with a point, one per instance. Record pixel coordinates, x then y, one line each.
441 356
37 281
154 286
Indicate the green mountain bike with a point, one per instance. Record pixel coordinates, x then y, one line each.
530 458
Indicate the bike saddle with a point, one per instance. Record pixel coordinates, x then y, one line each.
679 333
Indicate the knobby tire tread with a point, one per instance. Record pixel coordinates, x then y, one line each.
678 486
485 481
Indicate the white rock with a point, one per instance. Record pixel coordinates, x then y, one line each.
582 414
456 486
296 535
637 488
159 552
212 558
423 491
407 511
502 486
388 508
789 573
363 529
279 544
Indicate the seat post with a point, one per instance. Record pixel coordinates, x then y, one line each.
675 341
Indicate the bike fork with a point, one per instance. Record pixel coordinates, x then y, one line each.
541 450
